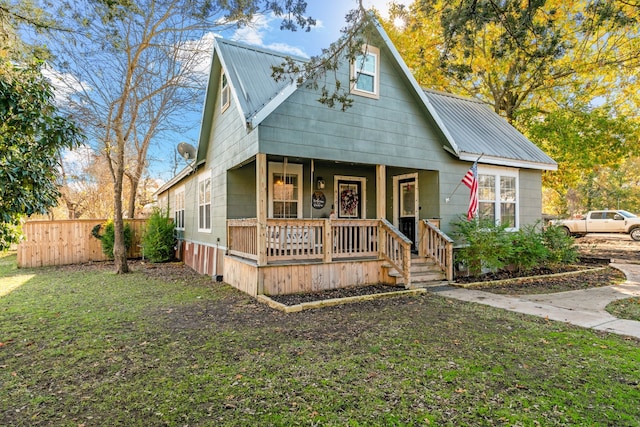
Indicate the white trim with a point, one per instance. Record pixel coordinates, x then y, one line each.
396 200
501 161
224 106
356 67
206 175
363 193
275 102
291 169
234 93
179 191
499 172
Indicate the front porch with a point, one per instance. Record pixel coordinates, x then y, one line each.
284 256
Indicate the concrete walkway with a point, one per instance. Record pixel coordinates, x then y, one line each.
582 308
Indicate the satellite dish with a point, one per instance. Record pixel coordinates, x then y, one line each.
187 151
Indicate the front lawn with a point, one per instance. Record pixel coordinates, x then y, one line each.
81 346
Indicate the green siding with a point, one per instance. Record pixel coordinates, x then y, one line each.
394 130
241 192
530 196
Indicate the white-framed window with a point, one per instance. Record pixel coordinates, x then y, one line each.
285 190
365 73
498 195
178 209
204 201
225 93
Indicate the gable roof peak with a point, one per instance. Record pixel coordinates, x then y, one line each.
259 49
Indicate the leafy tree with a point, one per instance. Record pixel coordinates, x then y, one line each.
32 131
320 72
515 55
542 65
134 67
590 148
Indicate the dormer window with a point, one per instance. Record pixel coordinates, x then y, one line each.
225 93
365 72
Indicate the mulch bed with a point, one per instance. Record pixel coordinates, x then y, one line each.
295 299
549 282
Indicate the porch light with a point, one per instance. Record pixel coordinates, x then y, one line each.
320 183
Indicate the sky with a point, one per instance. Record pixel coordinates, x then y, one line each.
330 16
265 32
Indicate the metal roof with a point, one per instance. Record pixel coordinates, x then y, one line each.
476 129
249 69
470 127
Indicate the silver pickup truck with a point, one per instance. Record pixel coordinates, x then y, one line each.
607 221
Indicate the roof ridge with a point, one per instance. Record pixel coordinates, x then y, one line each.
453 95
260 49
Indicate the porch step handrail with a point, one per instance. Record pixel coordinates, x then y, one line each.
395 247
436 245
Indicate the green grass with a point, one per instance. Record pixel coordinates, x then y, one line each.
628 308
83 346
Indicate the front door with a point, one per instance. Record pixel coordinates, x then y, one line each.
407 209
350 197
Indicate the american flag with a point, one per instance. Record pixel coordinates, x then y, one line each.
471 181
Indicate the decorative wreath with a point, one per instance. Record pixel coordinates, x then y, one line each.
349 202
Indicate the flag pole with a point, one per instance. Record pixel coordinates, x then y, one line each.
448 199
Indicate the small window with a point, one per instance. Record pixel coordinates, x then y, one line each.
204 203
178 210
365 72
225 93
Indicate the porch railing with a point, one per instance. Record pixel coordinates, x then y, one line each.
436 245
297 239
321 239
242 237
396 249
354 238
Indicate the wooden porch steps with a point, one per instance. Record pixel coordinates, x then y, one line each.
424 273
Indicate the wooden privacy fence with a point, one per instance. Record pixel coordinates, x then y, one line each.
69 242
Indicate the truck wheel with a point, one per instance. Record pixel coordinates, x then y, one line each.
565 231
635 233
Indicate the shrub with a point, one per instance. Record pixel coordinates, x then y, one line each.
107 238
159 241
486 246
562 249
528 249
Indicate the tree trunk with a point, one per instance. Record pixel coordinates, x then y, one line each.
119 248
131 208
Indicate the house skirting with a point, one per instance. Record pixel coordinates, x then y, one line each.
282 279
203 258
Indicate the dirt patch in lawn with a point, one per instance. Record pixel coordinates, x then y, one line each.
601 247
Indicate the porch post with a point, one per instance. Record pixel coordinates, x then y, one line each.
381 191
261 204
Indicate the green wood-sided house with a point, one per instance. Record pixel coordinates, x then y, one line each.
287 195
